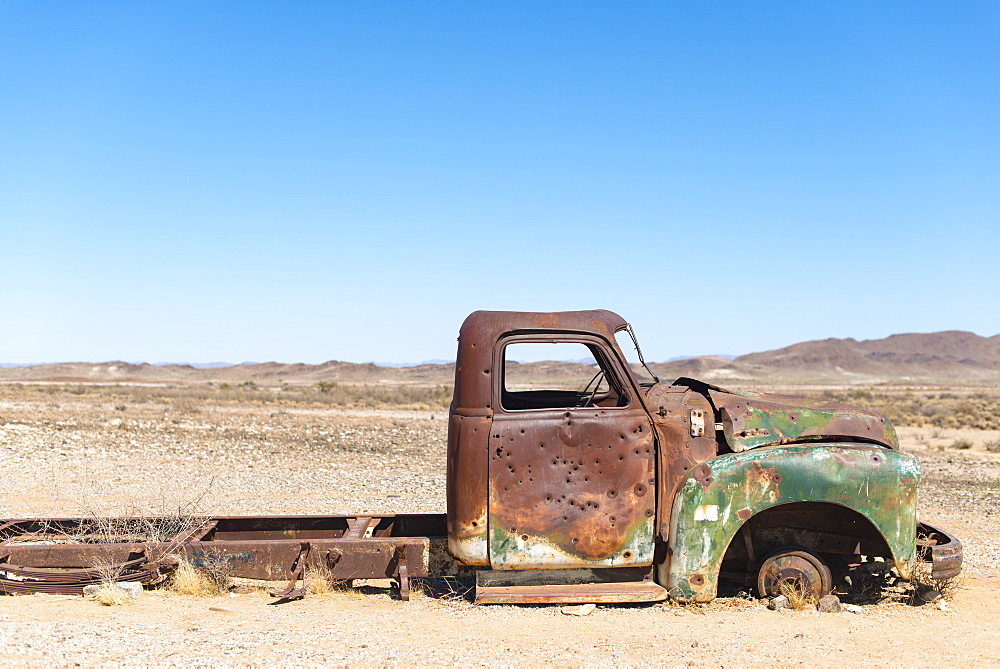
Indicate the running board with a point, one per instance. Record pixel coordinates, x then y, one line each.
567 586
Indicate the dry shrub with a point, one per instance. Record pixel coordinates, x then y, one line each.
190 580
962 444
921 582
993 445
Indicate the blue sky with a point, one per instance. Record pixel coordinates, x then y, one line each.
307 181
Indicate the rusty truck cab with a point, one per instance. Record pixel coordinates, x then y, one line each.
550 479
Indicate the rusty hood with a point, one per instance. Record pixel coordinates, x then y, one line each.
751 419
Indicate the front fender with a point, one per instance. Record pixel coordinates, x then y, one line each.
723 493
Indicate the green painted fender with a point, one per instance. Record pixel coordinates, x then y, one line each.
720 494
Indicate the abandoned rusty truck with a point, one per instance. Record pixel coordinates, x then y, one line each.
623 489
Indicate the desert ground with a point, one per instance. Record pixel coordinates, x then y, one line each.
74 450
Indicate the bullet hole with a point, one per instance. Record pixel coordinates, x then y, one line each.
524 537
575 540
522 431
475 524
567 414
611 493
499 451
627 554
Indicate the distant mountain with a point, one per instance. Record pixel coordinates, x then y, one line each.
940 357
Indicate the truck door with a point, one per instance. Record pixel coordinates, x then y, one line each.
571 464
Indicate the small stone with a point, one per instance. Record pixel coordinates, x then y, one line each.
943 605
853 608
694 644
930 595
579 610
829 604
117 422
778 603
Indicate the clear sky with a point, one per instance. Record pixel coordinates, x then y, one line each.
305 181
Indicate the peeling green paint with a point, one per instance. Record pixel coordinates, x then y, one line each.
878 483
751 420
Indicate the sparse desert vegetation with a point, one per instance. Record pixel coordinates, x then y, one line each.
76 449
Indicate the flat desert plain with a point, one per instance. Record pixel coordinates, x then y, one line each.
71 453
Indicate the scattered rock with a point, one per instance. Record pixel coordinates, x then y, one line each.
117 422
579 610
778 603
3 421
694 644
853 608
829 604
943 605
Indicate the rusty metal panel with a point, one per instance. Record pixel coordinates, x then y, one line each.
571 487
679 449
720 495
751 420
943 550
468 439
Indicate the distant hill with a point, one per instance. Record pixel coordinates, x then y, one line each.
940 357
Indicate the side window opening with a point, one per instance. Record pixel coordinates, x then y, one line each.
558 375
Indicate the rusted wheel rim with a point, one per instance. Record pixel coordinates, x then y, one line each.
799 567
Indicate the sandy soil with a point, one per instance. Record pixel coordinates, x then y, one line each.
68 457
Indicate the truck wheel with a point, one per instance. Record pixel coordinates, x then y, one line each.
796 567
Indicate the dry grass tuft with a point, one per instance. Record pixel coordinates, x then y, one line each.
962 444
110 594
189 580
993 445
319 580
798 598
